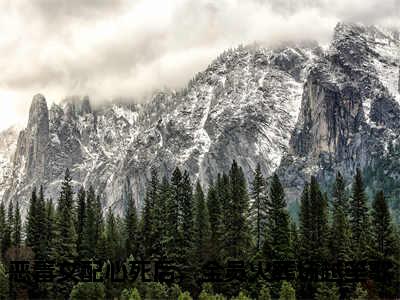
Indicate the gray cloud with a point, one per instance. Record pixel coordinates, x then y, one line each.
125 48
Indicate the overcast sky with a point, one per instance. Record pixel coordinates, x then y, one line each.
128 48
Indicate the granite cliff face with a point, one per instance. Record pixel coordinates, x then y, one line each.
297 109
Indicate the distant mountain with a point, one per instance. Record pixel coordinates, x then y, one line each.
295 109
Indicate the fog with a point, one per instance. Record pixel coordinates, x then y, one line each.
124 48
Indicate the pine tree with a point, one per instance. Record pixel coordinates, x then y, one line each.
31 227
41 246
340 235
3 224
49 231
6 238
148 218
359 219
384 245
161 211
287 292
237 237
4 283
216 223
132 230
81 224
278 222
327 291
360 293
93 220
202 229
259 207
89 291
16 236
305 224
99 231
111 237
65 235
174 215
265 293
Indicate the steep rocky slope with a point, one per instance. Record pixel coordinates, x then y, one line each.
297 109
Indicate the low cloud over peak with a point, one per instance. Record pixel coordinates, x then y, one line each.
124 48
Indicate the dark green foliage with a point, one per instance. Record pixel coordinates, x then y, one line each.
237 237
179 225
89 291
287 292
359 219
326 291
216 223
16 235
278 222
132 229
149 219
259 207
81 224
202 228
384 245
4 283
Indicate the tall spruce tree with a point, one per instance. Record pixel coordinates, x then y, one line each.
31 226
3 224
16 236
174 216
216 223
149 218
237 237
340 235
278 222
81 224
132 228
65 231
359 219
384 246
202 228
259 207
91 231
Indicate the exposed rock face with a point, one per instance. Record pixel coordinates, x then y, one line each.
350 107
297 109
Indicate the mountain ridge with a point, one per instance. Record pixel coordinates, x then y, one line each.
293 109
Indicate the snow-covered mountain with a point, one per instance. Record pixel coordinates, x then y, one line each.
297 109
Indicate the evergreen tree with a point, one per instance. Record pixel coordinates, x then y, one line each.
174 216
41 246
237 237
340 235
216 223
4 283
259 206
278 222
112 237
132 230
359 219
161 221
265 293
89 291
202 229
287 292
65 235
31 226
360 293
149 219
305 224
384 245
16 237
50 227
99 231
130 294
81 224
8 230
327 291
91 232
3 224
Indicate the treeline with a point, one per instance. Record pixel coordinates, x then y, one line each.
189 226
